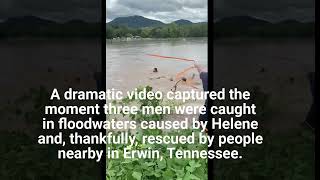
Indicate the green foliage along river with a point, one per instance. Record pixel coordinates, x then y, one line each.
168 31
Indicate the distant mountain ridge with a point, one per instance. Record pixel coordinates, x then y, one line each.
136 22
183 22
34 20
32 26
31 20
242 21
142 22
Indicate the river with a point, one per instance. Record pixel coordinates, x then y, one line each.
129 66
278 67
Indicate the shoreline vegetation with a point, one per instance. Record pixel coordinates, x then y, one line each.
168 31
136 27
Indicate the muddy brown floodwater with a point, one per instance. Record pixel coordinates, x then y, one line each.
277 66
129 66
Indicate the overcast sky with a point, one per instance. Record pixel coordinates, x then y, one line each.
164 10
196 10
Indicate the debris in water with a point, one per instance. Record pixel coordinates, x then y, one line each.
160 77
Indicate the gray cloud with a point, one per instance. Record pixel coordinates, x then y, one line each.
164 10
196 10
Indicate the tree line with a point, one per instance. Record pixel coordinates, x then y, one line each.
168 31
